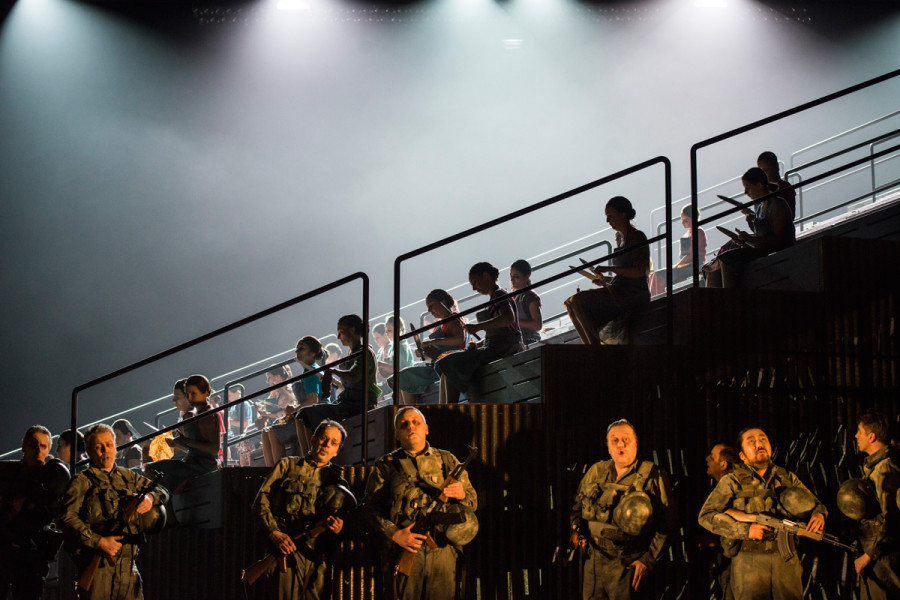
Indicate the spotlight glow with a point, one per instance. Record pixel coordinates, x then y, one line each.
711 3
292 5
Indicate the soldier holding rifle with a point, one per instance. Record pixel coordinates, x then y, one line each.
409 487
754 490
92 520
623 514
872 502
299 501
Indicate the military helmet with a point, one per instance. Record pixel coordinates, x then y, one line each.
460 534
633 513
54 476
856 499
334 499
797 501
154 520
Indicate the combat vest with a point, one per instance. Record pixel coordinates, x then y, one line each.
754 497
598 505
104 498
410 493
294 496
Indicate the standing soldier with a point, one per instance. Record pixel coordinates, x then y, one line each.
400 491
873 502
625 510
299 500
758 486
29 501
719 462
92 518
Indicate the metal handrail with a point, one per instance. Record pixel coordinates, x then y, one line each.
221 331
871 151
878 190
774 194
756 124
842 134
525 211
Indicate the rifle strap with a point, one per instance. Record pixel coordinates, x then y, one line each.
642 475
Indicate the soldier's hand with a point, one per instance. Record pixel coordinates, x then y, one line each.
640 571
110 545
146 504
757 531
283 542
334 524
861 563
406 539
816 523
455 490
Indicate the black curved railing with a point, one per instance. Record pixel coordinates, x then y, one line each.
223 330
760 123
660 160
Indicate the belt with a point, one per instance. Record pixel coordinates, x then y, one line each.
759 546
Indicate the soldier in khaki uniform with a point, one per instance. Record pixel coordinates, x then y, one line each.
879 565
91 505
757 570
286 507
29 500
625 510
395 498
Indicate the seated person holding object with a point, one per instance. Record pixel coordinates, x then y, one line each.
772 229
591 310
528 304
351 331
446 338
501 336
684 268
306 391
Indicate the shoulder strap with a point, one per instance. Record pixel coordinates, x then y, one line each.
447 460
642 475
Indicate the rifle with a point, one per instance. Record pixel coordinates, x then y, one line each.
784 527
428 519
257 569
86 580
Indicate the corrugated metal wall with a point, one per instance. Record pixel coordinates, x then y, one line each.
802 365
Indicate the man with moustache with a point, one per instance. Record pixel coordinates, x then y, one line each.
879 532
29 500
287 507
621 549
395 498
91 506
757 570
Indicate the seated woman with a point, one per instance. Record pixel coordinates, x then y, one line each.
592 309
502 336
446 338
200 439
684 268
772 226
308 352
528 304
351 332
130 456
280 401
